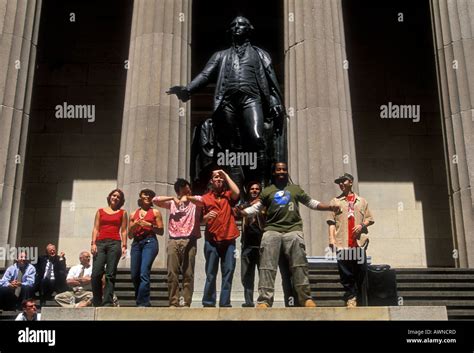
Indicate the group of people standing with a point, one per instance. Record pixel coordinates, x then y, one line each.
272 237
272 234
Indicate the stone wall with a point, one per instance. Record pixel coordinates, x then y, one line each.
72 163
400 162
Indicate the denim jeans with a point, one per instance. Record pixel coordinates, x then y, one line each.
213 252
108 255
249 263
8 299
352 266
143 253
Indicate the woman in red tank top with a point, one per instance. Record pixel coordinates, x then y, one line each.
109 243
145 223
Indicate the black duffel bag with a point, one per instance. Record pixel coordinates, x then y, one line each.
381 286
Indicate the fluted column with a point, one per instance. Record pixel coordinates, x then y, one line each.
453 27
321 141
19 22
155 134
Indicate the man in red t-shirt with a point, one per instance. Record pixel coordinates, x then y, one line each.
220 235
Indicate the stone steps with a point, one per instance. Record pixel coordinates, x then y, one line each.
468 278
435 270
248 314
8 315
155 302
461 314
125 277
450 287
436 285
154 285
436 294
130 294
435 278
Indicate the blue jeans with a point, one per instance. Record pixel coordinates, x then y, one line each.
142 254
213 252
352 266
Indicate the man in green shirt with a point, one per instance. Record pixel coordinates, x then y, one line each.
284 234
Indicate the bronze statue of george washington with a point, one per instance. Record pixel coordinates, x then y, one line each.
248 115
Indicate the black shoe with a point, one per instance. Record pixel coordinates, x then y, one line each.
248 305
209 305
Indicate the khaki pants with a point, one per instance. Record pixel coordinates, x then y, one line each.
181 258
70 299
291 245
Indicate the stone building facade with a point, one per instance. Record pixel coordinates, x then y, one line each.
339 63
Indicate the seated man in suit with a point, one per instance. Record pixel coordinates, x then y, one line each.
50 274
17 283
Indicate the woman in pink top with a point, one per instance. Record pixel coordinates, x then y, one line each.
109 243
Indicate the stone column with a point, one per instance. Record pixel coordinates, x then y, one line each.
154 148
453 29
320 138
19 23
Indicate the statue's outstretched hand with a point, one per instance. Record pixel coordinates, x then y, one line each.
181 92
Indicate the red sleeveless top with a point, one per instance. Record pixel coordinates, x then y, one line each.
109 225
144 231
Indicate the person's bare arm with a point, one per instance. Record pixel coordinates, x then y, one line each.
358 229
326 207
123 233
162 201
133 224
232 185
73 282
368 221
85 280
209 215
95 232
158 227
332 236
197 200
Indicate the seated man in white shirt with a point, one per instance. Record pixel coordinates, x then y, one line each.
79 278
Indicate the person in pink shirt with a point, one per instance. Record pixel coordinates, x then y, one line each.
183 229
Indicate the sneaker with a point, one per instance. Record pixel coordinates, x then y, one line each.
262 306
351 303
309 304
